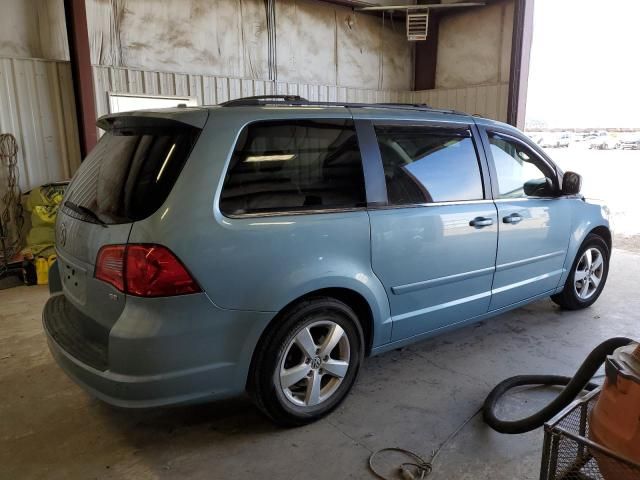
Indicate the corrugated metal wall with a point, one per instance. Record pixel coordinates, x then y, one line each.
485 100
210 90
38 107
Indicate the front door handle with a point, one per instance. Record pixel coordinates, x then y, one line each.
513 218
480 222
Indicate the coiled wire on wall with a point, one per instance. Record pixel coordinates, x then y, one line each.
12 211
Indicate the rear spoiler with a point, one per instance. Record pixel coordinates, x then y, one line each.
168 117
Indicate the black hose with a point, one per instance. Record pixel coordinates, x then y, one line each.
574 385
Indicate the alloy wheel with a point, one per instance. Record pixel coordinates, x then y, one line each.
589 273
314 364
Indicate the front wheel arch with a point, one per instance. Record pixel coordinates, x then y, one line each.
566 298
604 233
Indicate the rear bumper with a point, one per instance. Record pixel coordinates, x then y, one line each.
158 356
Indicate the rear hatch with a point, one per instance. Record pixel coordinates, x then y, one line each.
125 178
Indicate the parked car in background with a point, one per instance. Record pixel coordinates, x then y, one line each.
555 140
582 137
547 140
269 245
536 137
630 142
603 141
564 141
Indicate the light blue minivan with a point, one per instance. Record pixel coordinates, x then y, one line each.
269 244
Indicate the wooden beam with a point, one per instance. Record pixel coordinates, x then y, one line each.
80 56
426 57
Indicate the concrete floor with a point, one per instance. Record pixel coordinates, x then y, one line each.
414 398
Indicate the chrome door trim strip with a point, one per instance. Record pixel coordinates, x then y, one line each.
434 204
526 261
524 199
411 287
287 213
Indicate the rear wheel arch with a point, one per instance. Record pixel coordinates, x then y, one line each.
302 368
360 306
349 297
356 301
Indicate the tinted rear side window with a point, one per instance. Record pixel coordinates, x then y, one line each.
301 165
427 164
130 173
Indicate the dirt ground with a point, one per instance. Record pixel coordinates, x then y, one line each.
630 243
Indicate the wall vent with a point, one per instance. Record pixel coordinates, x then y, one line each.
417 24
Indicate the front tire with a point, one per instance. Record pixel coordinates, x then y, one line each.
307 362
587 276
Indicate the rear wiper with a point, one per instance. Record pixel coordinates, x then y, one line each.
85 211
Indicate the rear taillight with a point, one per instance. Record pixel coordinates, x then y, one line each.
154 271
144 270
110 265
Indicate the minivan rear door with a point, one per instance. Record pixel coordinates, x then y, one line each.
434 240
125 178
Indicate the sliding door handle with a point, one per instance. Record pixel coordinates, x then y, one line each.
513 218
480 222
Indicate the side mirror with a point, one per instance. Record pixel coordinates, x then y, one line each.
571 183
540 187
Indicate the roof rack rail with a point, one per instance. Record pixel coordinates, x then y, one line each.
296 100
262 99
405 105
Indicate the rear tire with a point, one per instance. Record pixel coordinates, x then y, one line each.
307 362
587 276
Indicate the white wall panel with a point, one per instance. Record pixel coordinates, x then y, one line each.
37 106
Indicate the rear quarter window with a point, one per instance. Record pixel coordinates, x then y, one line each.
289 166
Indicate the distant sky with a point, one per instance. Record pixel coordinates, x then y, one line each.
585 63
